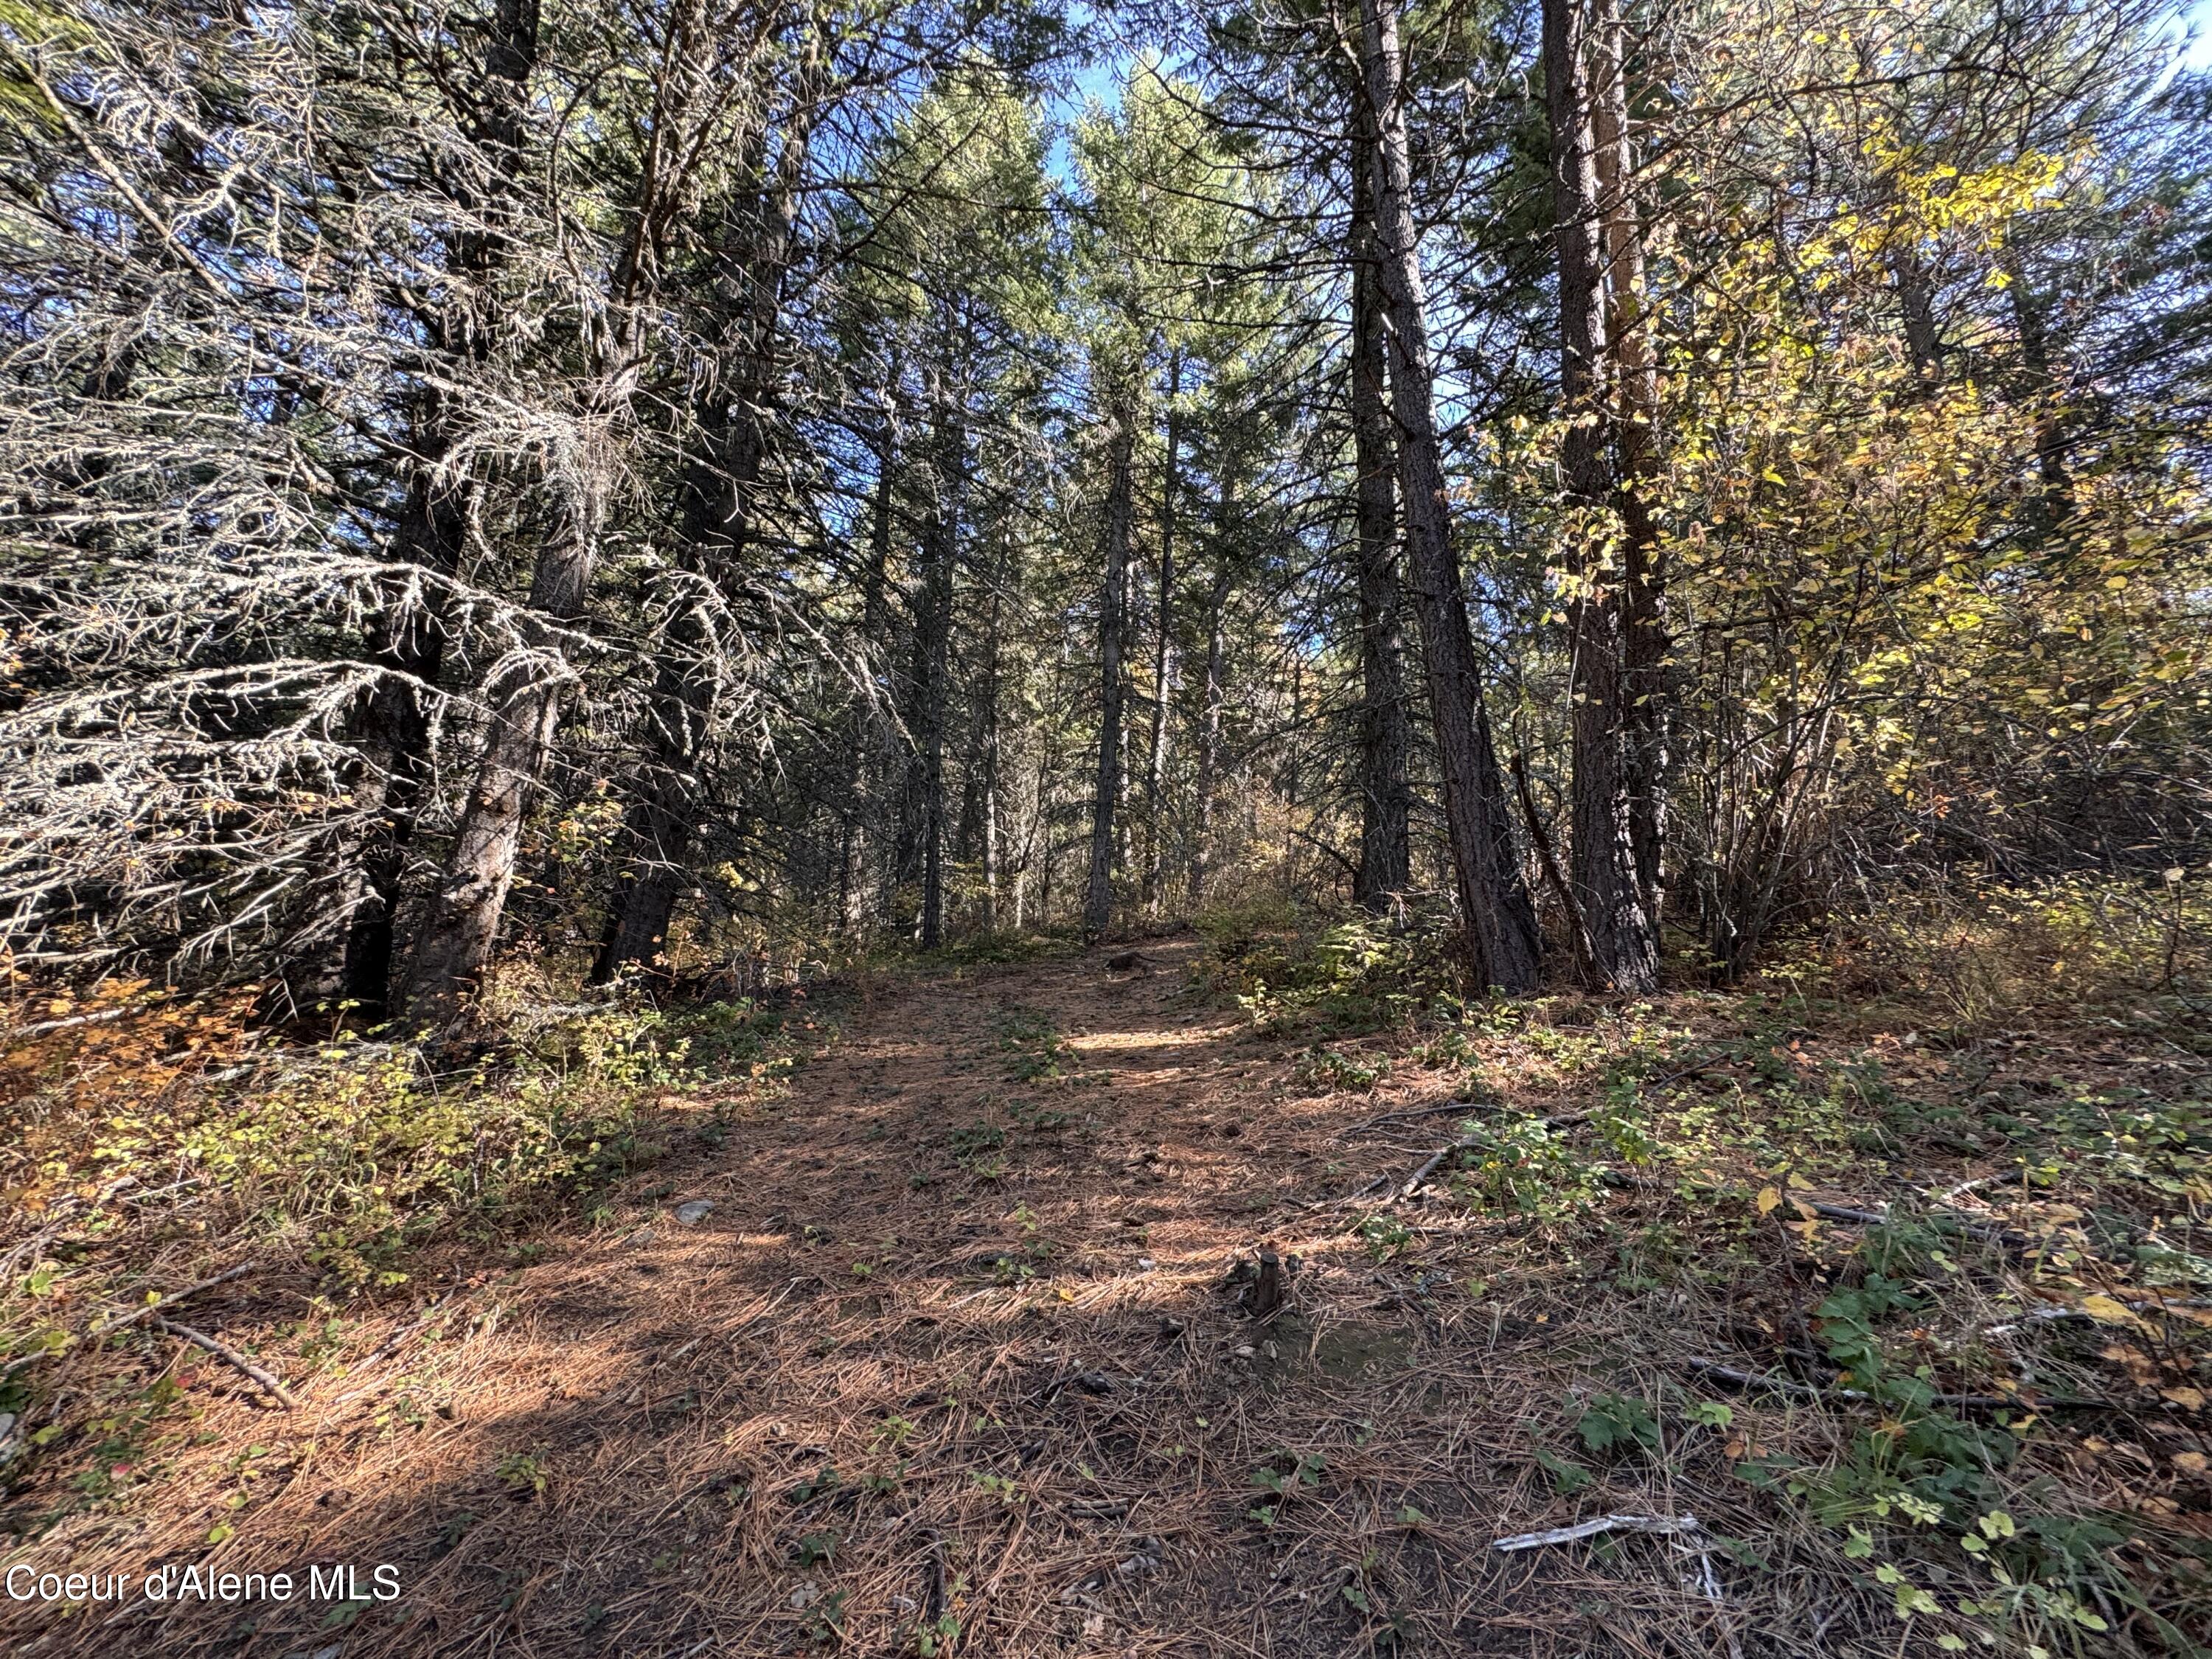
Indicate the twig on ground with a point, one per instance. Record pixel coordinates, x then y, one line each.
230 1357
74 1020
1986 1231
1661 1525
1411 1113
2046 1316
1976 1185
1151 1552
1808 1391
1427 1166
934 1596
169 1301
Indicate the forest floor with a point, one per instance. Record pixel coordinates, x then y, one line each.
959 1359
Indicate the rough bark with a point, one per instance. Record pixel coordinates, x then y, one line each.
1647 709
1602 859
1113 599
2053 504
979 811
409 648
1163 654
1209 717
924 849
1501 926
718 489
1385 733
408 641
876 752
525 693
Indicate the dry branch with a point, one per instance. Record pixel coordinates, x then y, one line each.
231 1357
1660 1525
169 1301
1808 1391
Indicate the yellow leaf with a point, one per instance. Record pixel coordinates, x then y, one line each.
1769 1198
2189 1400
2189 1462
2106 1310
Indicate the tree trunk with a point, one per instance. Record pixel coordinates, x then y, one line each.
1098 893
718 491
525 692
877 752
1163 654
986 765
924 852
1209 718
1602 861
410 649
1647 700
2052 505
1385 736
408 641
1501 939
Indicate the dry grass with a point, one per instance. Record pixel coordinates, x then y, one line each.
1045 1409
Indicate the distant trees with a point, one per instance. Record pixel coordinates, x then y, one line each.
598 491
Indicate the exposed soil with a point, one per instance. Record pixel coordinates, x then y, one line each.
1000 1308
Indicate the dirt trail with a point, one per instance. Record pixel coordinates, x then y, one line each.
952 1351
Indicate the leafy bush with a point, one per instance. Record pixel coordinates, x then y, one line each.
1355 975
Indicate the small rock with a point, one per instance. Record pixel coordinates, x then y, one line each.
1145 1264
806 1596
639 1239
695 1212
1243 1351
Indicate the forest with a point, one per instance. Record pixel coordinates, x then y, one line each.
1011 827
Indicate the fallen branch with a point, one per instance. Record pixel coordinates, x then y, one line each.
1414 1112
1808 1391
1428 1166
2045 1315
1856 1217
74 1020
1661 1525
1151 1553
1977 1184
230 1356
171 1300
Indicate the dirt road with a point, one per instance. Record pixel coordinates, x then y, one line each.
950 1365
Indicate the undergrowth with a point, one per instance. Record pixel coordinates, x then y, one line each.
163 1139
1913 1227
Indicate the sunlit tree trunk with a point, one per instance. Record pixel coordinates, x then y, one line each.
524 693
1112 603
1163 651
1647 700
1601 860
1501 926
1385 735
1208 782
925 853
